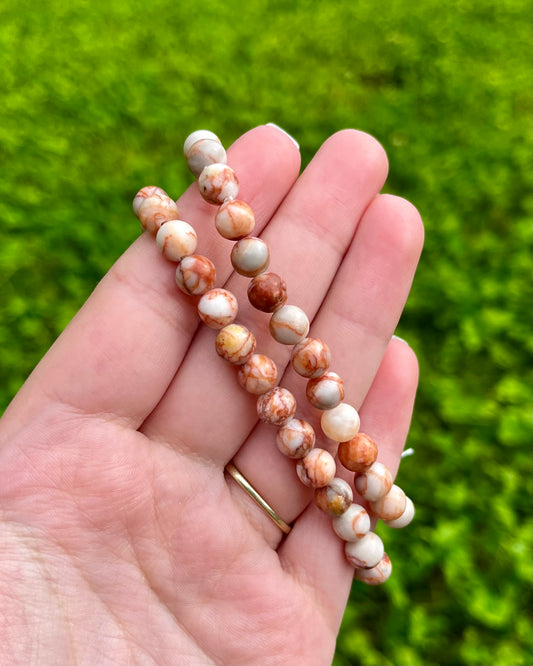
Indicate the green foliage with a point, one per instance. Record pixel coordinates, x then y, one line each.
97 98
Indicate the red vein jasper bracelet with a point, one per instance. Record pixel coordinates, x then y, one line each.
257 373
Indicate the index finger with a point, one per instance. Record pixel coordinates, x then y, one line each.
120 352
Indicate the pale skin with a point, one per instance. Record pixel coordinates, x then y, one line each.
122 540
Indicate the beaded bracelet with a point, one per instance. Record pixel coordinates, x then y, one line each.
257 373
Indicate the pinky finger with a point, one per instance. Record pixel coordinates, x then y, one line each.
313 553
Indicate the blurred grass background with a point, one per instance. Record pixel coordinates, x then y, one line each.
97 98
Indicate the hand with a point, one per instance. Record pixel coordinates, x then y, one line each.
122 539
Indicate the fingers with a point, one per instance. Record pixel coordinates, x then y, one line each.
307 237
312 552
121 351
356 320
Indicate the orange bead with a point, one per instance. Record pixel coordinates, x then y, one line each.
359 453
267 292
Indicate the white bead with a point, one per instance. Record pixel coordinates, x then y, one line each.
374 483
296 438
203 153
143 194
391 505
353 524
197 136
325 392
365 552
340 423
176 239
316 469
218 182
375 575
218 308
234 219
250 256
155 210
195 274
289 325
202 148
406 517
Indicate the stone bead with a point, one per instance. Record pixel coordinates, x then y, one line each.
289 325
218 308
335 498
366 552
359 453
296 438
202 148
250 256
325 392
267 292
391 505
234 219
258 375
235 343
197 135
155 210
176 239
195 275
374 483
316 469
340 423
277 406
353 524
143 194
406 517
218 182
375 575
311 358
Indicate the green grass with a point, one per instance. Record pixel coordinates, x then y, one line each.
96 100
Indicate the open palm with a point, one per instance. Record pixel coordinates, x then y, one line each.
122 539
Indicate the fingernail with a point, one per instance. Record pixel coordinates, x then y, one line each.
284 132
397 337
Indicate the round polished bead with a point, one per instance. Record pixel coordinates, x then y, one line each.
250 256
353 524
311 358
197 135
234 219
277 406
406 517
258 375
374 483
155 210
218 308
195 275
235 343
267 292
296 438
376 575
143 194
359 453
391 505
335 498
340 423
202 148
366 552
176 239
218 182
325 392
316 469
289 325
